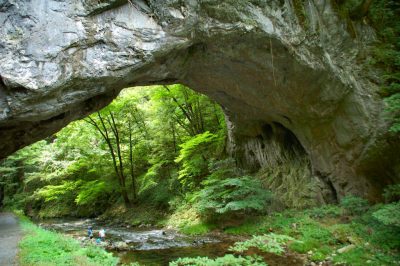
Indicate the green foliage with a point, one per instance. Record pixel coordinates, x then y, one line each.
72 173
55 192
237 194
41 247
227 191
345 233
393 107
392 193
329 232
321 253
312 236
325 211
384 17
358 257
272 243
354 205
92 192
197 229
389 214
221 261
193 157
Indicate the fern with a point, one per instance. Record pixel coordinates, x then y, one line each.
230 195
389 214
193 157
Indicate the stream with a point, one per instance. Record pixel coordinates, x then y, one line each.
148 246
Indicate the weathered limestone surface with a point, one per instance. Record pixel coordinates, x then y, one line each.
267 66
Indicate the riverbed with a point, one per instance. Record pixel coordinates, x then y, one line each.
146 245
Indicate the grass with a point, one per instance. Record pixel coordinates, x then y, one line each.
42 247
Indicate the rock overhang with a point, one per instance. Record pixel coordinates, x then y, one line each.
61 60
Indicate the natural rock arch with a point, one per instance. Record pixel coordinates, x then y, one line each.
60 61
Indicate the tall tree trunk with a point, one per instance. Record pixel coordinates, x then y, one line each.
201 118
106 136
185 112
173 136
216 114
121 166
104 133
131 162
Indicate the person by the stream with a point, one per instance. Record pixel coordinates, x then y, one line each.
90 232
102 234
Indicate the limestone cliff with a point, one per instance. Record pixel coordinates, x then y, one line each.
276 67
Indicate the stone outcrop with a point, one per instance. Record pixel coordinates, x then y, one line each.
276 68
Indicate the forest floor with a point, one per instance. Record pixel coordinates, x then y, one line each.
9 237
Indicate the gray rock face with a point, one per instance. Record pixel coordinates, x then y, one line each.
271 70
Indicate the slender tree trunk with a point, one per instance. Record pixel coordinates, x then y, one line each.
185 113
121 166
216 114
201 118
131 162
173 135
104 133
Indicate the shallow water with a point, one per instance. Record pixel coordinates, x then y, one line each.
146 246
164 256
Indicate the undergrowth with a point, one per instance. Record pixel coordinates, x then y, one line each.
323 233
42 247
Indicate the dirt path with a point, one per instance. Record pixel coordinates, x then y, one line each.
9 237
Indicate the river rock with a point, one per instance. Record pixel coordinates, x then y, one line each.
346 249
284 80
120 245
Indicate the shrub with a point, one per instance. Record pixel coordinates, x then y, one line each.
325 211
389 214
272 243
354 205
232 195
344 233
321 253
392 193
193 157
312 236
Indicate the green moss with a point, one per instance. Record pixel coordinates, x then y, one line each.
197 229
248 228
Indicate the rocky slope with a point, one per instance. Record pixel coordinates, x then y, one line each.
280 69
